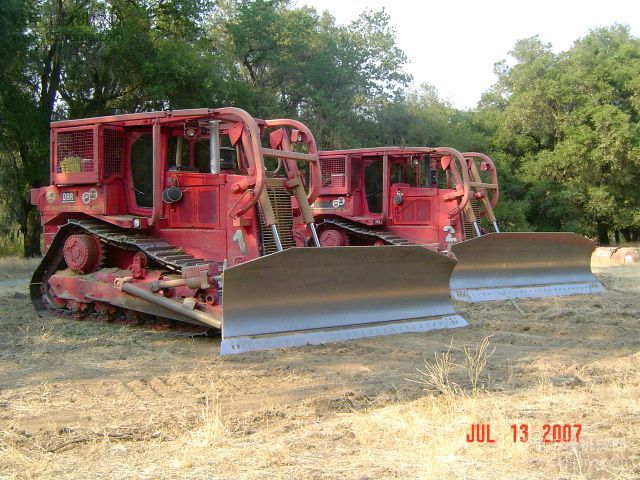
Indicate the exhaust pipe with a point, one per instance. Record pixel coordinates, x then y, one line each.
171 305
214 145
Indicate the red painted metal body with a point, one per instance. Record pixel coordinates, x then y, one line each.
443 200
416 193
171 214
98 166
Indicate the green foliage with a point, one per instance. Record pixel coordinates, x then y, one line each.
568 125
299 63
422 118
562 128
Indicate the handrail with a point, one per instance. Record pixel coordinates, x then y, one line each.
483 185
460 177
256 156
304 157
156 207
491 167
310 141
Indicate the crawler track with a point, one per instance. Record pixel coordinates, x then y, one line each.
369 234
158 252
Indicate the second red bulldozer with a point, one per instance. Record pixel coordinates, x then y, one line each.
443 200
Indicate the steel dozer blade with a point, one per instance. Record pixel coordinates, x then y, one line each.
318 295
500 266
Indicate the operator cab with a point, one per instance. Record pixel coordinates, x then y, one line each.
405 171
187 147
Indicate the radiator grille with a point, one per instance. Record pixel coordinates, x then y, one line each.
208 207
74 152
333 172
113 152
281 203
415 211
469 232
356 172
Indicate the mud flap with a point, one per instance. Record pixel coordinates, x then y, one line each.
499 266
318 295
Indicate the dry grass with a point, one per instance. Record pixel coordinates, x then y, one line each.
84 400
475 361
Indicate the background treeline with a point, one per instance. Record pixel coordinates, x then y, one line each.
563 128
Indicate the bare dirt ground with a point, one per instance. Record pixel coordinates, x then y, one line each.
92 400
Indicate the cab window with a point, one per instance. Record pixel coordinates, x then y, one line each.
373 186
142 170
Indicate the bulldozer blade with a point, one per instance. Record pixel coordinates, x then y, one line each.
319 295
501 266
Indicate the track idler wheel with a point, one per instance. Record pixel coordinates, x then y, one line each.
333 237
82 253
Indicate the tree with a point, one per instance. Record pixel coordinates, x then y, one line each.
301 64
421 118
82 58
568 126
28 92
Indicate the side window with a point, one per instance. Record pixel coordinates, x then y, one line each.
142 170
201 155
405 172
373 186
428 173
396 173
172 150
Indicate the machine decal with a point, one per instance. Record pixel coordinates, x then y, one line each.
238 237
88 197
68 197
338 202
97 207
51 196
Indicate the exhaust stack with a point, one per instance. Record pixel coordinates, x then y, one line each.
214 145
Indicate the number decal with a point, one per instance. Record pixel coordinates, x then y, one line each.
238 237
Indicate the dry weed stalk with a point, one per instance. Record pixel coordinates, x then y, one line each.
475 361
211 426
435 376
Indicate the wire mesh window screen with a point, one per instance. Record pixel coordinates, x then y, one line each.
75 153
113 152
333 172
356 173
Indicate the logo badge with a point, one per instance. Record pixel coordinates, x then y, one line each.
89 196
338 202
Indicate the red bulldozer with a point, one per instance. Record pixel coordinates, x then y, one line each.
443 200
175 217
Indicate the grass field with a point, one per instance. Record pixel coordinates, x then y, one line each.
92 400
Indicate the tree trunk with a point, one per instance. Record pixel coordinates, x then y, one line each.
626 233
603 234
31 230
616 234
